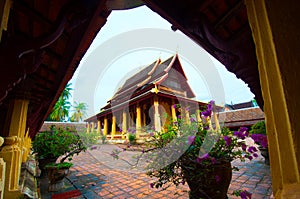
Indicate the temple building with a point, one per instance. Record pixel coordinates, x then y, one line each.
148 100
42 43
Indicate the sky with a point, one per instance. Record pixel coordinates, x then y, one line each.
132 39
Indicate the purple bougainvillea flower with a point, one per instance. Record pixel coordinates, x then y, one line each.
260 139
254 137
227 140
244 147
245 195
204 157
236 133
175 123
151 134
206 113
211 104
239 134
255 155
206 127
174 106
252 149
264 142
208 110
191 139
243 129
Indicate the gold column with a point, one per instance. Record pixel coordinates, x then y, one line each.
144 115
11 152
98 126
124 125
113 127
157 123
88 127
93 127
138 121
274 32
187 115
105 128
2 172
173 111
26 146
197 113
5 6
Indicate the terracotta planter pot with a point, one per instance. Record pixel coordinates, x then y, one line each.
56 176
43 163
265 153
210 181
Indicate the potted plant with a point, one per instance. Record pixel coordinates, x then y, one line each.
259 135
61 144
199 154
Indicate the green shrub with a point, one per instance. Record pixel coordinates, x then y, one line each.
61 143
258 128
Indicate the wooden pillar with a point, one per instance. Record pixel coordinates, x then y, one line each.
105 128
124 125
157 122
138 123
113 127
276 36
11 152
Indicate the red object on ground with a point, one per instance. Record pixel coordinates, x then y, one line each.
66 195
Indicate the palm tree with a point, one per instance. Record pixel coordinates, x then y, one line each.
61 108
66 94
79 112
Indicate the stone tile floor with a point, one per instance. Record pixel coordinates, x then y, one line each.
97 175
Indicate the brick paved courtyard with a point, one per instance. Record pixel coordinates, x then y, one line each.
97 175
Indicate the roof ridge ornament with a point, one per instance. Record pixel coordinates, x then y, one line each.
155 89
154 67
